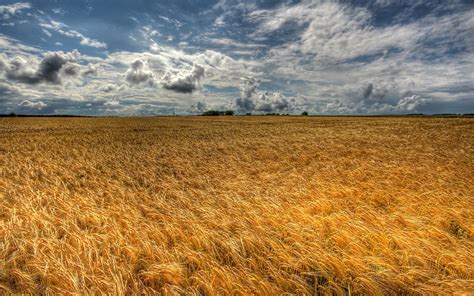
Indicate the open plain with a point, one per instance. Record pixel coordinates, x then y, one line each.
237 205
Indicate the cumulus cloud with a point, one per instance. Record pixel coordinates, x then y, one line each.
18 69
253 100
184 81
71 69
246 103
90 69
139 73
6 11
32 105
271 103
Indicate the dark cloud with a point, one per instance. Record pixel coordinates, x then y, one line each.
48 70
183 82
372 93
53 62
367 90
71 69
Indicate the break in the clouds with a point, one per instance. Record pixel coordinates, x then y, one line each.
259 56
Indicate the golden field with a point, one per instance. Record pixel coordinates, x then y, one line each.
237 205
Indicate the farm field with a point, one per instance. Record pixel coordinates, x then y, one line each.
237 205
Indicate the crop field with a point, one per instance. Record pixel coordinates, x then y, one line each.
237 205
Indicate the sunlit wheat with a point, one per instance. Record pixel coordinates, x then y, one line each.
237 205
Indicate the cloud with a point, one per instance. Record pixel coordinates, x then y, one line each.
411 103
249 87
53 62
201 106
7 90
316 56
139 73
233 43
89 70
271 103
108 88
64 30
32 105
253 100
112 104
47 33
367 90
18 69
71 69
184 81
372 93
407 104
14 47
6 11
59 11
335 31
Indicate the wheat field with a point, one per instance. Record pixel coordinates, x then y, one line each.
237 206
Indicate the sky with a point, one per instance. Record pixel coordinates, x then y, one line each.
183 57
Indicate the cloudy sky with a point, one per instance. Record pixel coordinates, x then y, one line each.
117 57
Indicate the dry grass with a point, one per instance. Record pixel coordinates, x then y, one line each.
238 205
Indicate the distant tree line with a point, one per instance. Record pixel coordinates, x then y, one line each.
231 112
41 115
218 113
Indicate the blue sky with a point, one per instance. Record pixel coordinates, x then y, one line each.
185 57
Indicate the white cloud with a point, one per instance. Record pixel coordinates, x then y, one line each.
32 105
112 104
139 73
47 33
89 70
233 43
59 11
63 30
14 47
411 103
6 11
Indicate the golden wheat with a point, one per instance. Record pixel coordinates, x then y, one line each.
236 205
